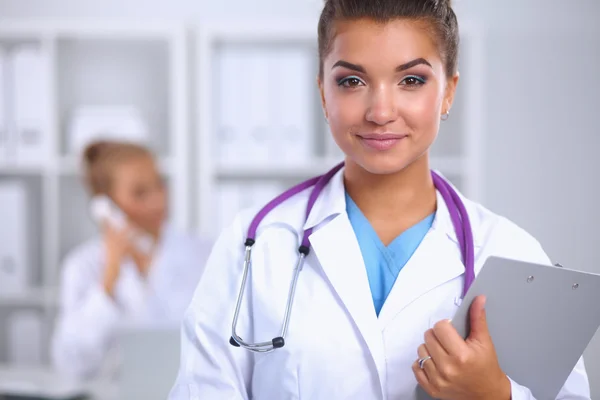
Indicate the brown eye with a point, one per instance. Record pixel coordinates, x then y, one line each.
350 82
413 81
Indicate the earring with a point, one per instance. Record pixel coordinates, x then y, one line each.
445 115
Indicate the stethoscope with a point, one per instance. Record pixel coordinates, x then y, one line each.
458 215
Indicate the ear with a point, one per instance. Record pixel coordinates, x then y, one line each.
449 92
322 93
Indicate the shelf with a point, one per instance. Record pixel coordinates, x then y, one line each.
10 41
98 79
447 165
70 165
32 297
14 169
317 167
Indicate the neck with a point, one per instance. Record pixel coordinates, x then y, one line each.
400 199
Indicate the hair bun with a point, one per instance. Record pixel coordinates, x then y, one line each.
93 151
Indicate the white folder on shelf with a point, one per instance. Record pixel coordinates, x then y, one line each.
3 107
230 120
262 132
292 105
29 92
13 237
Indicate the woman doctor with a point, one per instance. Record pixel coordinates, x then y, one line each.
109 282
384 268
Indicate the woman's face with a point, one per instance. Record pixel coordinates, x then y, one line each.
384 90
137 188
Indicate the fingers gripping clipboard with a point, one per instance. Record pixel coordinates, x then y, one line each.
541 319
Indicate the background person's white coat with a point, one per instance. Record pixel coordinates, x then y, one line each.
337 347
89 318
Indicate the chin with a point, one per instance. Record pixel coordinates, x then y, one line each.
382 164
152 227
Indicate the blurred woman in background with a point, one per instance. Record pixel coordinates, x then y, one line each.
113 280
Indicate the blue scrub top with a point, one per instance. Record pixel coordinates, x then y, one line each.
384 263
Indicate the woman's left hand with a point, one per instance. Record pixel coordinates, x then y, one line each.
458 368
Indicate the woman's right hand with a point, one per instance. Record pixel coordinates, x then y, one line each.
117 246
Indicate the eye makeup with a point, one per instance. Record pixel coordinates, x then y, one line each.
349 81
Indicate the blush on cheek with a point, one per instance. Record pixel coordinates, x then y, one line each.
345 113
420 116
421 113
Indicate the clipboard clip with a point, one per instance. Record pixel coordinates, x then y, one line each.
558 265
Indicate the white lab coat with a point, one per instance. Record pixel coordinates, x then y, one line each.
89 319
337 347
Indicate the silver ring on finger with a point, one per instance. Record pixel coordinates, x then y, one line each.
423 360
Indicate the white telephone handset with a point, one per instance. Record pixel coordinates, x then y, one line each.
102 208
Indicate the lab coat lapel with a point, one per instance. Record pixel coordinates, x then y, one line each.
436 261
336 247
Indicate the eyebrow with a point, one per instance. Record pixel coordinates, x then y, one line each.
399 68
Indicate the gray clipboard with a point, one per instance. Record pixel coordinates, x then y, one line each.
541 319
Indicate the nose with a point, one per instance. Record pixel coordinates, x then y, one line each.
382 108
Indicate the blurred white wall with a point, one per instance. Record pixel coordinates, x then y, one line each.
541 161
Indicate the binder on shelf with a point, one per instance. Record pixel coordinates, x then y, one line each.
3 106
229 122
13 237
29 78
265 115
257 101
291 105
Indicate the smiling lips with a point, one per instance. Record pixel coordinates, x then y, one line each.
380 141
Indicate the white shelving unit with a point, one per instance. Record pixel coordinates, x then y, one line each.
257 48
89 64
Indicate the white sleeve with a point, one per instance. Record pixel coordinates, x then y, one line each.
211 368
86 321
576 387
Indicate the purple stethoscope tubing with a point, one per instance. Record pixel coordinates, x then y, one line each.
458 215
